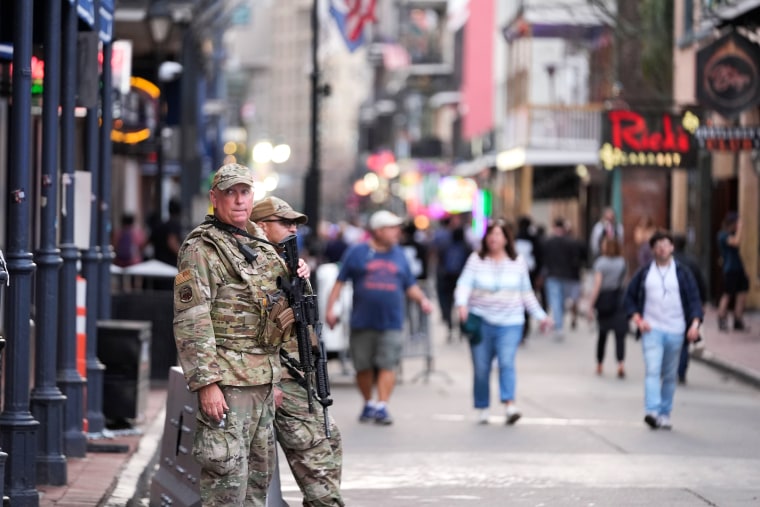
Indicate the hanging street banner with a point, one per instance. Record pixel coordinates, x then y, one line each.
658 140
728 75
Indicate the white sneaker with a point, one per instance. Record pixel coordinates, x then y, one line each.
483 416
513 414
663 422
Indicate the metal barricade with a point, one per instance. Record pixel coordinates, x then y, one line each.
418 342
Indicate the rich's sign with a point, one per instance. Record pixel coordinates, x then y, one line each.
648 140
728 75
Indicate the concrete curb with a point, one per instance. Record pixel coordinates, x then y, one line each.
740 372
135 476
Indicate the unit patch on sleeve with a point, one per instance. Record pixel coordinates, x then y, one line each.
186 292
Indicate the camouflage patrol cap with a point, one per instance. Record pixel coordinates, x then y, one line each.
232 174
277 208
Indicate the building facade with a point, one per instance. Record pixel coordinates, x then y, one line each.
731 172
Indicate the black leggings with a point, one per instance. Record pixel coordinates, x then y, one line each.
619 343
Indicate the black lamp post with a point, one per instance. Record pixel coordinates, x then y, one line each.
159 21
312 181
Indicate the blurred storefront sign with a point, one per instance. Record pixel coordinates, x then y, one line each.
728 75
630 138
743 138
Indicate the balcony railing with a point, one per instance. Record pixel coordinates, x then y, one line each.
574 128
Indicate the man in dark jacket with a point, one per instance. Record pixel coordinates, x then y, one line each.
563 257
682 257
663 301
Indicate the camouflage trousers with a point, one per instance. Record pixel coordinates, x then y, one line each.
237 457
315 460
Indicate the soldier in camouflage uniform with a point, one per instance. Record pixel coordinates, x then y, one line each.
229 322
315 460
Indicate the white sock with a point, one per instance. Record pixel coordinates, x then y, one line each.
379 405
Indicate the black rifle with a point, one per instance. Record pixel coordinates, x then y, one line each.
306 313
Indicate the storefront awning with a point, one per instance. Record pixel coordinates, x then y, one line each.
474 166
518 157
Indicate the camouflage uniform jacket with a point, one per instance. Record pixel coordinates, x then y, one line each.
221 305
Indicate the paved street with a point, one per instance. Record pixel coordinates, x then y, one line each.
581 440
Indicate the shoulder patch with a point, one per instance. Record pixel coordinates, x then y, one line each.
187 293
182 277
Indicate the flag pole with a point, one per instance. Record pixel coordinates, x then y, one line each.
312 186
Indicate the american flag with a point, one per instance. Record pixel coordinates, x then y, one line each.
351 16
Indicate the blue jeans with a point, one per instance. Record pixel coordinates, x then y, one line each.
500 342
661 353
557 292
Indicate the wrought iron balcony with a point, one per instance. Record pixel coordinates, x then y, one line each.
571 128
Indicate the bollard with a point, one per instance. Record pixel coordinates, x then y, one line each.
4 279
81 327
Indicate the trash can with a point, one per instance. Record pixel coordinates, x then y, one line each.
155 306
124 349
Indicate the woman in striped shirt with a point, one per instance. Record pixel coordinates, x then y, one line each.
495 286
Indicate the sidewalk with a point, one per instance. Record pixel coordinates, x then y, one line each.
734 352
107 479
112 478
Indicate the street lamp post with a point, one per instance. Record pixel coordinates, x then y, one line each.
159 21
312 185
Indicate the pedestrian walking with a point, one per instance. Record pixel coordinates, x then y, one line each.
228 315
128 242
682 256
606 302
528 246
166 239
494 289
642 232
662 299
735 281
606 227
563 259
381 280
315 460
451 250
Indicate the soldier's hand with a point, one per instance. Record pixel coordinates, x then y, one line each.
212 402
304 271
277 395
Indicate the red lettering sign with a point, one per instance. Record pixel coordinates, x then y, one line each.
630 132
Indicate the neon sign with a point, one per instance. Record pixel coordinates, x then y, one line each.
38 74
660 140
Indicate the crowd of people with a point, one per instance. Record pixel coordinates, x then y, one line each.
234 331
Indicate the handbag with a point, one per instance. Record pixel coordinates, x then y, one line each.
608 302
471 328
